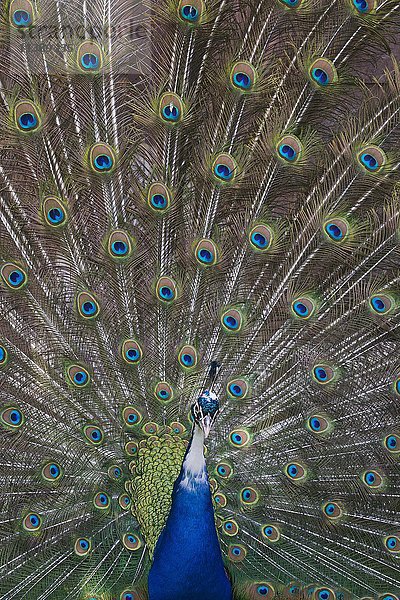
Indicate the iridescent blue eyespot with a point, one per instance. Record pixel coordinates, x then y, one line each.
171 113
236 390
158 201
291 3
166 293
221 470
315 423
80 378
392 543
363 6
3 355
56 215
119 248
301 309
132 354
323 595
34 520
16 278
15 417
287 152
22 18
320 76
334 231
321 374
189 13
89 308
259 240
27 121
205 255
223 172
84 544
231 322
262 590
103 162
242 80
89 61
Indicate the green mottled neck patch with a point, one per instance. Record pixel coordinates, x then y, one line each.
153 476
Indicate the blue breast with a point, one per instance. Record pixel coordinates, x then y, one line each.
187 560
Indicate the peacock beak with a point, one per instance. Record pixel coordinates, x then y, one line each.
206 424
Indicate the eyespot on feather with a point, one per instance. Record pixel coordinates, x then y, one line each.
54 212
381 303
323 72
323 373
332 510
232 320
271 533
295 471
224 470
131 541
363 7
163 392
78 376
260 238
115 472
150 428
187 357
249 496
93 434
237 389
260 589
131 448
87 305
291 3
52 472
32 522
166 290
303 307
240 438
27 116
318 424
82 546
171 108
289 148
220 500
102 158
224 168
177 428
119 245
191 12
3 356
243 76
323 593
131 416
206 253
89 57
159 197
236 553
101 501
336 229
392 544
372 479
392 442
230 527
12 418
21 14
124 501
13 276
131 352
371 158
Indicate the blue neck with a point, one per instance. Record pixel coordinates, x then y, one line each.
187 559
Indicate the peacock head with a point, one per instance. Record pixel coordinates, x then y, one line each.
205 411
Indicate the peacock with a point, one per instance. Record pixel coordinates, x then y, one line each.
199 299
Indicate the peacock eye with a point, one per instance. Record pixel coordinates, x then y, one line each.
131 352
372 479
88 307
224 168
372 159
131 448
150 428
89 56
289 148
381 303
163 392
124 501
243 76
271 533
187 357
32 522
392 443
240 438
324 594
249 496
232 320
237 553
323 72
114 472
191 12
158 197
295 471
131 416
230 527
52 472
237 389
102 158
119 244
323 373
291 3
21 13
206 253
27 116
82 546
101 501
364 6
13 276
260 238
12 418
224 470
131 541
78 376
261 589
177 428
318 424
3 356
336 229
303 307
392 544
171 108
54 212
128 595
332 510
220 500
93 434
166 290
